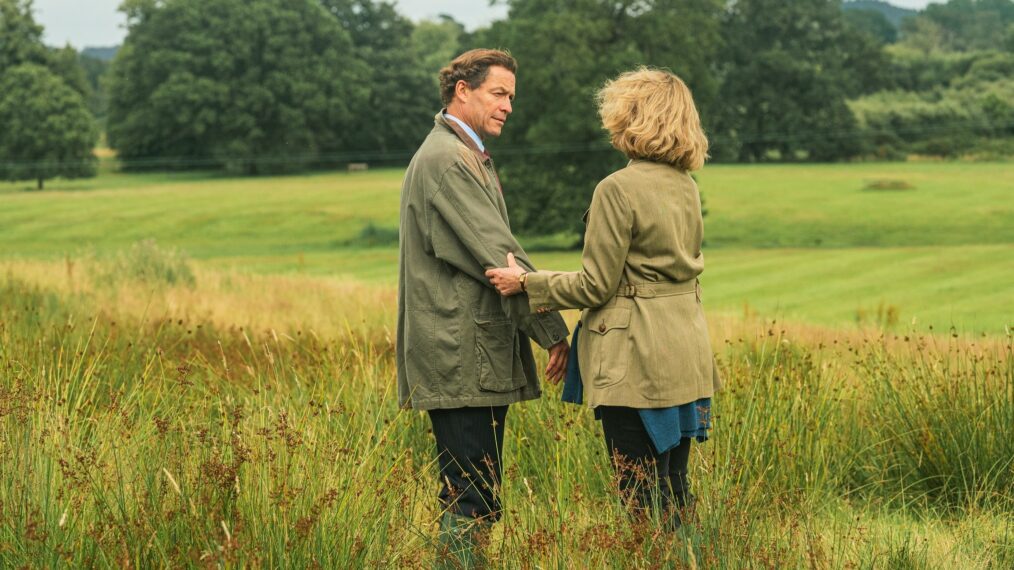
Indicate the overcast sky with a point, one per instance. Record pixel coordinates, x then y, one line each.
96 23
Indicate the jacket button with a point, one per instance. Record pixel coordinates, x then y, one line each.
602 328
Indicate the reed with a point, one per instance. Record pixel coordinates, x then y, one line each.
157 434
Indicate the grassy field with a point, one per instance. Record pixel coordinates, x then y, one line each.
236 423
235 408
749 207
800 242
827 205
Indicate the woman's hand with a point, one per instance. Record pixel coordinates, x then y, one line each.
507 280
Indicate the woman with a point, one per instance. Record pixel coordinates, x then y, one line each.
644 354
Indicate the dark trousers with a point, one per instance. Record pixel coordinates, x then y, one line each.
648 479
469 448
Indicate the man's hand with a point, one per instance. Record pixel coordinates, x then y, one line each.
507 280
557 367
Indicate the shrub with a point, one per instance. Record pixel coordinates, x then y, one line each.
888 184
373 235
144 262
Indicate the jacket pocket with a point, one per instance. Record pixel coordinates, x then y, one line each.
609 345
497 355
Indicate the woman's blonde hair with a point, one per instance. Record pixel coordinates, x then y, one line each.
650 114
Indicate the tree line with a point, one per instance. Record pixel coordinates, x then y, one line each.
259 86
46 129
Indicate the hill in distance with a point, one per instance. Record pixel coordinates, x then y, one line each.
894 14
101 53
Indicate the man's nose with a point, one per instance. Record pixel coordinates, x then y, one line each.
506 107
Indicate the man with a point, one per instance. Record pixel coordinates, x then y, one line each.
463 350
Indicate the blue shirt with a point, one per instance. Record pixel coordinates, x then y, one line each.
468 130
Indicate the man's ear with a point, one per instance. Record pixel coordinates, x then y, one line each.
462 90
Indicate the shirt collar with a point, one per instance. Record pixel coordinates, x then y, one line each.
468 130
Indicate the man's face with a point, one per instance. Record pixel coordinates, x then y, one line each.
486 107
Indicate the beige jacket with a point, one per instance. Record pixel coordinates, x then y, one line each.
644 341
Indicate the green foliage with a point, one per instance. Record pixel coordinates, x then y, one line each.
950 119
553 150
988 67
64 62
401 101
43 136
873 23
145 263
254 86
951 91
915 70
895 15
961 25
373 235
20 36
105 54
95 73
888 184
261 86
787 76
436 43
21 43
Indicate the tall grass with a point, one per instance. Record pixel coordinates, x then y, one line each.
128 438
144 262
946 414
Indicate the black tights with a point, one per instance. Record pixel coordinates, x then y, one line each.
648 479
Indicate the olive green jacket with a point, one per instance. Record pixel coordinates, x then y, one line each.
644 341
460 344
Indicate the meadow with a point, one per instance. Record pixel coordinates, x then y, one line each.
223 396
800 242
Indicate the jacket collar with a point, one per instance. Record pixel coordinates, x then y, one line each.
634 161
461 134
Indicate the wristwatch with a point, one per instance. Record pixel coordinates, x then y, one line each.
523 279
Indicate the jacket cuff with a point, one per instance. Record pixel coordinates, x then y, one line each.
549 329
537 287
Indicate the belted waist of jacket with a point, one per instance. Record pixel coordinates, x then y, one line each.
649 290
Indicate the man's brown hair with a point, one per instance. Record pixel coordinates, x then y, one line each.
472 67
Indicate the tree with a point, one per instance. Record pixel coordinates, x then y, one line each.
21 43
95 73
400 101
961 25
20 36
436 43
48 131
895 15
554 150
65 63
954 114
873 23
786 79
251 85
